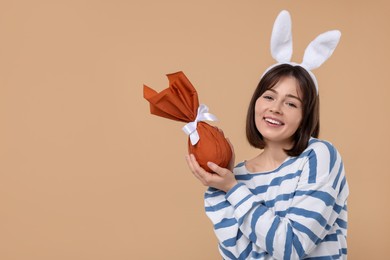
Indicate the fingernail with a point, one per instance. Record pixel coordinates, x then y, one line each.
210 164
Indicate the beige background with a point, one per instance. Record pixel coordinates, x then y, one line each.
87 173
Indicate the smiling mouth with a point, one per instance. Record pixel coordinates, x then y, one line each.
273 121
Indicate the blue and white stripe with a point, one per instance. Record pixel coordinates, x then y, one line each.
297 211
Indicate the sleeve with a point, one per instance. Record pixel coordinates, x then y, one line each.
289 234
232 243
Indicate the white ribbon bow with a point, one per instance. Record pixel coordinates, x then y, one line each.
203 115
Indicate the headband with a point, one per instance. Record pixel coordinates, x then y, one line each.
316 53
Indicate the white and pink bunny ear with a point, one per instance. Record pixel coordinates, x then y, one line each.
320 49
281 38
316 53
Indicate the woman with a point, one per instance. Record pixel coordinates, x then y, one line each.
290 201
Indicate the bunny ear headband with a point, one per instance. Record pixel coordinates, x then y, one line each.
316 53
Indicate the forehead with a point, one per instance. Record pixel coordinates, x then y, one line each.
287 86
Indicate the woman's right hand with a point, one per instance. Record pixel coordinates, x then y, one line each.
221 178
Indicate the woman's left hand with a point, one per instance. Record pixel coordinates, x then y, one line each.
222 178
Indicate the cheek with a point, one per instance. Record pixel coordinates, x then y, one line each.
259 107
258 117
298 120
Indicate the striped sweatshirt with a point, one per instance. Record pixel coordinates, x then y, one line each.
297 211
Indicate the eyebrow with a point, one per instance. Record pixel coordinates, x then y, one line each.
288 95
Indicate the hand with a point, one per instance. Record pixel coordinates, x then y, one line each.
222 179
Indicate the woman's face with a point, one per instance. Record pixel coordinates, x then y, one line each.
278 112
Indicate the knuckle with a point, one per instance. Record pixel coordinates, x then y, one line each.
224 171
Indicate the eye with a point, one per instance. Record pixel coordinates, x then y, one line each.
290 104
268 97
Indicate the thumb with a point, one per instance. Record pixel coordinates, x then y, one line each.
217 169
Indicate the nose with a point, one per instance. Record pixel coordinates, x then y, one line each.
276 108
275 111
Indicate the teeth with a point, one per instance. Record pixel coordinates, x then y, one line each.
272 121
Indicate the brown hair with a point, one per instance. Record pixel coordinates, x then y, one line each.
310 125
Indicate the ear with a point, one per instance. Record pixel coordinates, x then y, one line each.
320 49
281 38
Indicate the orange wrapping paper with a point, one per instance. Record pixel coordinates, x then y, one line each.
180 102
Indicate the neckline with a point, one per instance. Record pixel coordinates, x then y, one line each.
266 172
